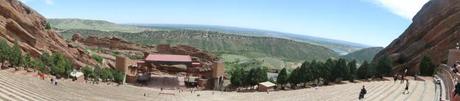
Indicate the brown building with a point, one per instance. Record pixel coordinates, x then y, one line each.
218 75
266 86
206 75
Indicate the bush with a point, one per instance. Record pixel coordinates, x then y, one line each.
58 63
237 76
106 74
48 26
15 56
98 58
118 76
87 72
427 68
4 51
40 66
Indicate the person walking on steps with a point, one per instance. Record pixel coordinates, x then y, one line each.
362 93
407 87
395 77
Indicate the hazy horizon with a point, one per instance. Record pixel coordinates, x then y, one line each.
368 22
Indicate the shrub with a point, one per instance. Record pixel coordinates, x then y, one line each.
4 51
15 55
87 72
106 74
427 68
118 76
97 58
47 26
58 63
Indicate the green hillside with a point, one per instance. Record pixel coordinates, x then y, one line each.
66 24
362 55
341 47
220 43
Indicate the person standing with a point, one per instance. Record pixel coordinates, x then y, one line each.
362 93
52 80
395 78
406 89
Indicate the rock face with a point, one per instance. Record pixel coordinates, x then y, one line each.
435 30
111 43
19 23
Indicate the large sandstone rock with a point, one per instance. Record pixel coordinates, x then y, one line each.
435 30
19 23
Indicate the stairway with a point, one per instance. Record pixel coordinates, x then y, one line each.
19 87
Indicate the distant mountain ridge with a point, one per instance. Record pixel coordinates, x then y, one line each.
342 47
102 25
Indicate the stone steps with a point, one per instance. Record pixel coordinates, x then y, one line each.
399 96
372 94
20 87
353 94
418 92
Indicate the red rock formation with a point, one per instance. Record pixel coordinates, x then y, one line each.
435 29
111 43
19 23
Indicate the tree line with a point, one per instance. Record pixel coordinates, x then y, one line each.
55 64
312 73
104 74
247 74
321 73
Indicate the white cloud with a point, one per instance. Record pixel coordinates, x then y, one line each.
24 1
48 2
403 8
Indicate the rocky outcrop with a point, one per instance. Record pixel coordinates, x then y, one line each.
186 50
113 43
435 30
21 24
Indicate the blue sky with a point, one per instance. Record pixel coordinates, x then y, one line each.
371 22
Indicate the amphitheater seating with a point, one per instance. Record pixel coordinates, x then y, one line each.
25 87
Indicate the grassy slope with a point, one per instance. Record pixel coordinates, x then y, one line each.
273 52
220 43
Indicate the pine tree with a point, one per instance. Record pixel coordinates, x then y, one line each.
384 67
294 78
363 72
4 51
328 72
304 73
15 56
340 70
282 78
352 70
